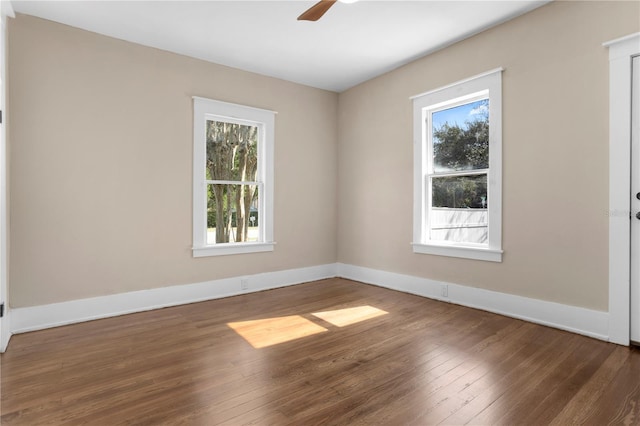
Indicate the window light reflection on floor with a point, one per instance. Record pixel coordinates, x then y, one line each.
271 331
266 332
348 316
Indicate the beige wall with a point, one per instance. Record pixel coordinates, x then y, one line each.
555 148
101 166
100 161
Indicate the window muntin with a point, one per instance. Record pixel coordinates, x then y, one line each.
233 178
457 169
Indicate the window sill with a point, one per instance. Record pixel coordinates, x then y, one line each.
233 248
465 252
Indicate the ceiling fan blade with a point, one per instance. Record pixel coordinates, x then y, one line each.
316 11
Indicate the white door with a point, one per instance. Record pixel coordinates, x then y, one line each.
635 201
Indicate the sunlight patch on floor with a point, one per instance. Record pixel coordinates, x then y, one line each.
271 331
348 316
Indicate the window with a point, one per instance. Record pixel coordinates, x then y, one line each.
232 178
457 169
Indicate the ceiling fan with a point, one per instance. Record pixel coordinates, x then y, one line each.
316 11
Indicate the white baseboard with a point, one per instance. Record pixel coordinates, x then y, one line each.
570 318
565 317
57 314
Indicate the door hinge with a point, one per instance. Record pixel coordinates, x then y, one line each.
1 310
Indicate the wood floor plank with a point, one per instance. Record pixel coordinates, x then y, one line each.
619 402
384 357
585 401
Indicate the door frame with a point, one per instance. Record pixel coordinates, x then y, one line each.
5 331
621 52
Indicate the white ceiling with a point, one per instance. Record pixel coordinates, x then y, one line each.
352 43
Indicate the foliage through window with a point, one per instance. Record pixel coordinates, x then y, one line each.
235 145
457 168
232 208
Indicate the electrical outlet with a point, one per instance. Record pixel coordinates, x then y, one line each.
244 284
444 290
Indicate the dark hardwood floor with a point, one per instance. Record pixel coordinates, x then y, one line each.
328 352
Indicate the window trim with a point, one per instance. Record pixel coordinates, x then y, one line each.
458 93
204 109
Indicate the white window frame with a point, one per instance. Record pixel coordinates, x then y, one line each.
482 86
209 109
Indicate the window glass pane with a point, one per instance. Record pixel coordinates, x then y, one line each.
459 209
232 151
232 213
461 137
